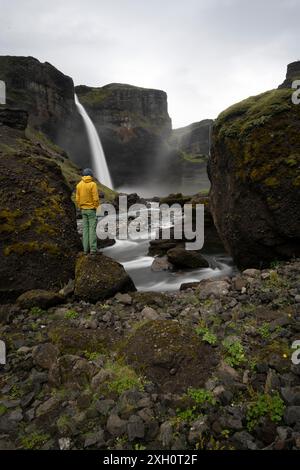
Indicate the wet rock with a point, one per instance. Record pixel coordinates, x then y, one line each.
186 258
161 264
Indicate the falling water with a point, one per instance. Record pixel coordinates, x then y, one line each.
99 162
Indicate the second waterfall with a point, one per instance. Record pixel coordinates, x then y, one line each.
98 157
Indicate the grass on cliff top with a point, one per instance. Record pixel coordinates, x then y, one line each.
70 170
256 110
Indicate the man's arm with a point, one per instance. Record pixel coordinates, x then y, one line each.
95 196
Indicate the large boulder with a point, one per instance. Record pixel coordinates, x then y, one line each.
98 277
39 298
170 355
38 235
255 178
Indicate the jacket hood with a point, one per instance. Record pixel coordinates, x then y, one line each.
87 179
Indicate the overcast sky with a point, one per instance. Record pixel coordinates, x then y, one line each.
206 54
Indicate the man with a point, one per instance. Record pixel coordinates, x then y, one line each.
87 199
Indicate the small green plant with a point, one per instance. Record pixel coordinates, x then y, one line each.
34 440
264 331
265 405
201 396
225 433
3 409
91 356
123 378
190 414
71 315
104 307
234 352
274 264
64 424
15 392
206 334
139 447
37 311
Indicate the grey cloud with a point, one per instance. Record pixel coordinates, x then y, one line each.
206 54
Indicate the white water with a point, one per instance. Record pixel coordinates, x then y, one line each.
99 162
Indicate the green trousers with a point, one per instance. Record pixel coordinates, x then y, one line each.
89 239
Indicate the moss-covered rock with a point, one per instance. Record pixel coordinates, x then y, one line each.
39 298
255 173
38 234
98 277
170 355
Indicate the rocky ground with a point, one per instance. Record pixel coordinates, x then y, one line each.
208 367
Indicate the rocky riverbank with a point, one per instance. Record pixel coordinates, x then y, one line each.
207 367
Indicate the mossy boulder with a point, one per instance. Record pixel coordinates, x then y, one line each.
38 233
99 277
39 298
73 340
255 178
170 355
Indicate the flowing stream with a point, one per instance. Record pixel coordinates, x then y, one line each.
133 255
100 167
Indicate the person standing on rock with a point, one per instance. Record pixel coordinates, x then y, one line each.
87 199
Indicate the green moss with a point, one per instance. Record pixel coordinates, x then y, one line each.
271 181
22 248
71 314
94 96
123 378
34 440
3 409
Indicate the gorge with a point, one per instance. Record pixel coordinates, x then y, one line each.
146 345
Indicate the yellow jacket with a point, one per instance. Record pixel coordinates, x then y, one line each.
87 196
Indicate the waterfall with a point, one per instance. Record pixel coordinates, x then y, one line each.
99 162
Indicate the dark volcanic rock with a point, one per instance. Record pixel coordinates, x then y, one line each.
186 258
255 178
38 236
293 73
40 89
16 118
99 277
